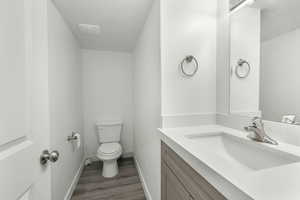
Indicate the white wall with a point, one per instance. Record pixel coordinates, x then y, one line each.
188 28
245 44
108 94
147 101
280 76
64 59
223 59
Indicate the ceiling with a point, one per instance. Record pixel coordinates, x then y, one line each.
120 21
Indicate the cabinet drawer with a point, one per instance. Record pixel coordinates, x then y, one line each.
196 185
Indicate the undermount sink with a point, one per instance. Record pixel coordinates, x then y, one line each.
241 153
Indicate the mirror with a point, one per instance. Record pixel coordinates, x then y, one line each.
264 59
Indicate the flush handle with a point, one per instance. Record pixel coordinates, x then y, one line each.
49 156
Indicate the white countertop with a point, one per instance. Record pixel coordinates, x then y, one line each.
277 183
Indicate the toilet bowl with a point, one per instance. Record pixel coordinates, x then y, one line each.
110 148
108 153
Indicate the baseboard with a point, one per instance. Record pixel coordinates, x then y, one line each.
127 155
144 184
74 182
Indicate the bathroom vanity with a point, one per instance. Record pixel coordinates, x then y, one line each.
215 162
181 182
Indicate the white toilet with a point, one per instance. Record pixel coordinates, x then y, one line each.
110 150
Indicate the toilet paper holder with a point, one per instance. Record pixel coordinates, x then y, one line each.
72 137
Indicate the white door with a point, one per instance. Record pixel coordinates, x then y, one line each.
24 123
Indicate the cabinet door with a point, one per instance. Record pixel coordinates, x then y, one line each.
174 189
194 183
163 181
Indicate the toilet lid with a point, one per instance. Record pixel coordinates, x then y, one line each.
109 148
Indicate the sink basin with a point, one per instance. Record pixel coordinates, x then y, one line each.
241 153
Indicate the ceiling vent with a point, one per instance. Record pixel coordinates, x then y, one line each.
89 29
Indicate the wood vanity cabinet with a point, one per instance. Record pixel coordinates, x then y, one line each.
180 182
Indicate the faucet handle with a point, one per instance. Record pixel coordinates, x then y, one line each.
257 122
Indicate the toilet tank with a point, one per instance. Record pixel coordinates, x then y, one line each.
109 131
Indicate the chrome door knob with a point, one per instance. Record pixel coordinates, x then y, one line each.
54 155
49 156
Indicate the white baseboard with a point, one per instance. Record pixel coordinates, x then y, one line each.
144 184
75 181
128 155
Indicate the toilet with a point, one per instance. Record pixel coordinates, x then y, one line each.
110 149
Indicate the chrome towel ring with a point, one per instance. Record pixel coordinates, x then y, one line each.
241 64
189 59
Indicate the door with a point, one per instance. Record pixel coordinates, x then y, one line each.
24 123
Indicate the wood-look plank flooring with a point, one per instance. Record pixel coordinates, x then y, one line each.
125 186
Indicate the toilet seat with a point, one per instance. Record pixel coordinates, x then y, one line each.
109 148
108 151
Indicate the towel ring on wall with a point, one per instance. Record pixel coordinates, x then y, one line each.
189 59
241 64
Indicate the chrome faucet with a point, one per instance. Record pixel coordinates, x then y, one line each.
258 129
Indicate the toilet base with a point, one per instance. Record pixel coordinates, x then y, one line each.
110 168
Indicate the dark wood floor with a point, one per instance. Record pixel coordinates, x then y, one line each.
125 186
